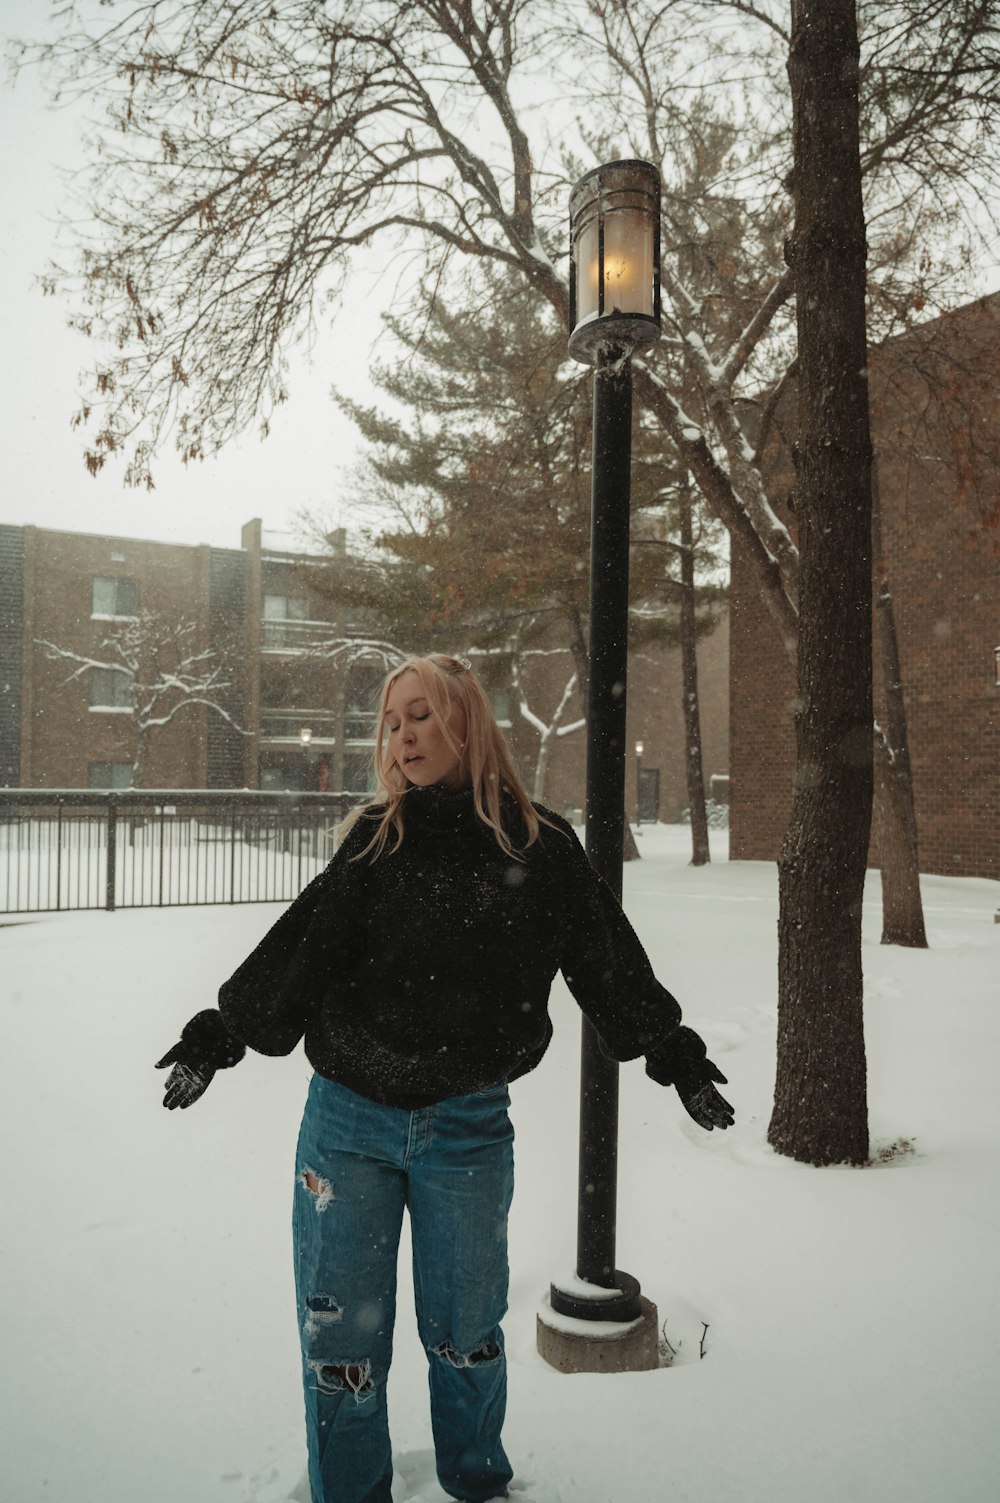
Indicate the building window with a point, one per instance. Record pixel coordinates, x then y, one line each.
110 689
114 597
359 775
283 779
500 705
360 700
110 774
285 608
286 624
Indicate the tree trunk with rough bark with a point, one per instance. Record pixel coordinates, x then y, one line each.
694 772
902 908
820 1105
895 811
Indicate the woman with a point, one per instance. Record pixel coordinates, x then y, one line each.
417 968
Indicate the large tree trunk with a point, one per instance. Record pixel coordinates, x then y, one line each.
820 1104
895 812
694 772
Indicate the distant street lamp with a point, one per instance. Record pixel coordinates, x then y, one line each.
614 310
639 749
305 735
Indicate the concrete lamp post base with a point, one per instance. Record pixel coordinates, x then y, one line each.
599 1346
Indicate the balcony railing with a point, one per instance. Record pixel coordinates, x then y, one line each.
295 636
285 725
359 725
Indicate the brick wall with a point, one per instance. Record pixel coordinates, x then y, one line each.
62 734
761 732
936 430
55 735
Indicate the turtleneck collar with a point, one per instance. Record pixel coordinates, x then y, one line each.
439 807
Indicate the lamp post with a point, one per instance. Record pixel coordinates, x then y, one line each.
614 310
639 749
305 741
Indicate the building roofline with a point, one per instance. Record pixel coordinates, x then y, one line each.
118 537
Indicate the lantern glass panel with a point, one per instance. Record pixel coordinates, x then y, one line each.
586 271
628 262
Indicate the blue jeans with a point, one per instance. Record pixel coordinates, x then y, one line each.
358 1165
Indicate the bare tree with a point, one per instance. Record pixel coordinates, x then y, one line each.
348 652
694 772
163 674
550 730
925 68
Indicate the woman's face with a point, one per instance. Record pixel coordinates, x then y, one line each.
416 740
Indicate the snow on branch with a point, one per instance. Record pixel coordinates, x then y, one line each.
755 330
165 675
547 733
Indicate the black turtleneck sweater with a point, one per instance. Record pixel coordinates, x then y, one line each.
426 973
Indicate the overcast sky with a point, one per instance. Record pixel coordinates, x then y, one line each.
44 479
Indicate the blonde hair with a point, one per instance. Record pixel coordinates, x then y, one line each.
486 764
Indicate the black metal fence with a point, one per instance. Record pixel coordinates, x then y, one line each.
71 849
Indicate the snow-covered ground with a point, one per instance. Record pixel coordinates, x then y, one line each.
149 1350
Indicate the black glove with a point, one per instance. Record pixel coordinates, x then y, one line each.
206 1045
702 1101
185 1083
680 1061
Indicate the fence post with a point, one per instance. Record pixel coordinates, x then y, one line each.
112 851
232 857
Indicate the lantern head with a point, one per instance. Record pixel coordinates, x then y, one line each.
614 288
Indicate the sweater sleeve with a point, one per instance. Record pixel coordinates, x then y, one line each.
607 969
267 1001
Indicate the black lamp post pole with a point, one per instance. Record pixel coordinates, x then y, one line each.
609 540
614 309
609 560
609 566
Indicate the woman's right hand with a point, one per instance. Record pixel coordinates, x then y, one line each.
206 1045
186 1081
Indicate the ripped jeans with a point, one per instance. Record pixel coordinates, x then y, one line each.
359 1164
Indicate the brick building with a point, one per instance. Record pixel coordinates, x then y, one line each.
936 430
256 616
